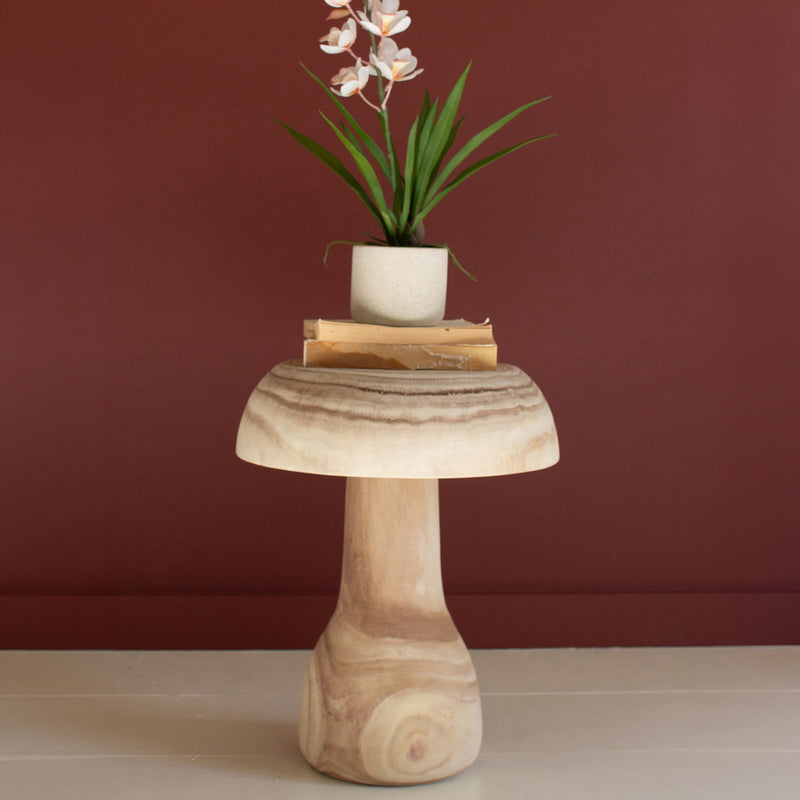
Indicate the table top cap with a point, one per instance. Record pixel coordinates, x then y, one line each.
398 423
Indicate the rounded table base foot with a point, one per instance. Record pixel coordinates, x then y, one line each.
387 713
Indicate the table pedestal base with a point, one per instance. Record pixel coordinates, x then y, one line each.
390 694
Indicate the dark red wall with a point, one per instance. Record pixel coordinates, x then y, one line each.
162 241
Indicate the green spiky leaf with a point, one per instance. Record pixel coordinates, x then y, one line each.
369 144
475 142
434 147
370 177
331 161
471 170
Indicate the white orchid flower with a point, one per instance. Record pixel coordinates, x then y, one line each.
385 19
339 40
394 64
338 3
351 79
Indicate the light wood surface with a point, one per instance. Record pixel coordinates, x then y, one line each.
379 423
390 694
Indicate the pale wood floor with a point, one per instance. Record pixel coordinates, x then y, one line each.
631 724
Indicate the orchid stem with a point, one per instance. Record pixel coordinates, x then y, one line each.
386 97
370 103
383 96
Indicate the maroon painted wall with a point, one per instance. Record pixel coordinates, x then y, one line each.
162 241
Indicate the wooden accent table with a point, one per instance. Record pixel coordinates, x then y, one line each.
390 694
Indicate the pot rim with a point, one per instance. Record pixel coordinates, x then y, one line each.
401 246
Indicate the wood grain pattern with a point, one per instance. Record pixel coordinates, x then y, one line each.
382 423
390 695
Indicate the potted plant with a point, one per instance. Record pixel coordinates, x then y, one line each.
397 279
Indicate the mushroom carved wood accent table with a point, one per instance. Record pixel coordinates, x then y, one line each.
390 694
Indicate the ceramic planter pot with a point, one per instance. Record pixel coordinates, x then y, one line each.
401 286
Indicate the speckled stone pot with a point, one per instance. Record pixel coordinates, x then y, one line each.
400 286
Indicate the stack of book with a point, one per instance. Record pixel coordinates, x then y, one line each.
454 344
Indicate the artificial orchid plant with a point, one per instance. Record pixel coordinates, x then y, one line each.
428 172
